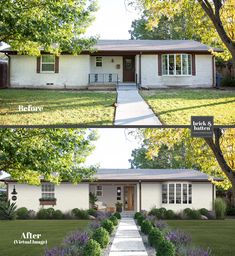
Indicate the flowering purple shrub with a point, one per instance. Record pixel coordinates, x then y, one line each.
178 238
102 215
198 252
160 224
94 225
58 251
77 238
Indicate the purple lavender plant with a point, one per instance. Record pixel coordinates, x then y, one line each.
102 215
94 225
178 238
198 252
160 224
77 238
58 251
151 218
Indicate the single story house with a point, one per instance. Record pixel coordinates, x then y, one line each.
147 63
135 189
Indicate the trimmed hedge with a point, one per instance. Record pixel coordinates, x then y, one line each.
80 214
140 219
146 226
165 248
22 213
137 214
101 235
92 248
155 237
108 225
114 220
117 215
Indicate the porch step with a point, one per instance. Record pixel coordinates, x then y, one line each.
102 87
127 86
128 214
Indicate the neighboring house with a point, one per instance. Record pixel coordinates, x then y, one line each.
136 189
148 63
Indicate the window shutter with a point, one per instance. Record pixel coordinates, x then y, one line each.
193 65
38 64
56 64
159 64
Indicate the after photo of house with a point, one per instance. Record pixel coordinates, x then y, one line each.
116 192
93 68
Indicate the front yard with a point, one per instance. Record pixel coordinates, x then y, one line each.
215 234
53 231
59 107
176 106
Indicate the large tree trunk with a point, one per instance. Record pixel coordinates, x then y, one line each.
215 147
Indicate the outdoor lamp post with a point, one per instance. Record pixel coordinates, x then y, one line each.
14 193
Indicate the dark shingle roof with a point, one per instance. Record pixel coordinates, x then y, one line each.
147 46
152 45
150 174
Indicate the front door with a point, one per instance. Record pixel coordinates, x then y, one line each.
128 68
129 198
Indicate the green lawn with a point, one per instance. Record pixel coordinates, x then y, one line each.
176 106
59 107
216 234
53 231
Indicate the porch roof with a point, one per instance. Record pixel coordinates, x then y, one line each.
152 175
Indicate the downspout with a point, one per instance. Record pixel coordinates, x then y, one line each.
213 71
213 195
8 70
140 69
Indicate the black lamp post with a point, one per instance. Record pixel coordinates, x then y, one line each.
14 193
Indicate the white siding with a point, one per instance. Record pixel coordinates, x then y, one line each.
108 67
203 77
73 72
202 197
68 196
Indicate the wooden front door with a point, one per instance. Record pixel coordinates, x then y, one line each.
128 68
129 198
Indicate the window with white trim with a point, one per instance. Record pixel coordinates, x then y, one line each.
176 193
177 64
48 63
99 190
48 191
98 61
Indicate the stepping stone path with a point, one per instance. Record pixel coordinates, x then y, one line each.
127 240
132 109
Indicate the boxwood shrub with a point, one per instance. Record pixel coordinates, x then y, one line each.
166 248
114 220
137 214
58 215
155 237
192 214
204 211
80 214
117 215
140 219
101 235
170 215
22 213
92 248
108 225
146 226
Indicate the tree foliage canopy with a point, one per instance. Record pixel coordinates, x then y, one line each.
212 21
55 154
54 25
178 146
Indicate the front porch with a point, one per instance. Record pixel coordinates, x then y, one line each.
109 195
113 70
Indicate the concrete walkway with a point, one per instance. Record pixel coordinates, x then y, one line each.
127 240
132 109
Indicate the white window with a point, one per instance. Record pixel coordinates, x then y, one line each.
98 61
177 193
99 190
177 64
48 191
48 63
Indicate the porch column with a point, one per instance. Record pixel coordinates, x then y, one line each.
140 68
139 197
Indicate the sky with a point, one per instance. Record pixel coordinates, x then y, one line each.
113 20
113 148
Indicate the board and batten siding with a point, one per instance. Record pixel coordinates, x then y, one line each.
202 196
203 78
73 72
68 196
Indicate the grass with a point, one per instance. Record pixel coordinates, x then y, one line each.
59 107
176 106
215 234
53 231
